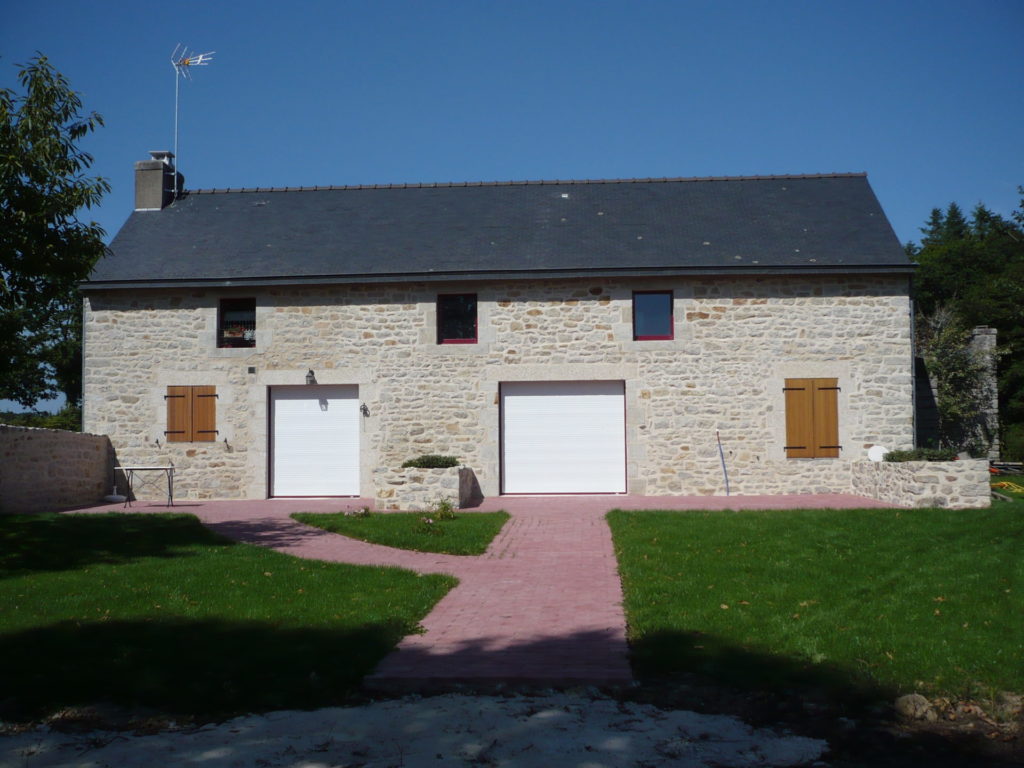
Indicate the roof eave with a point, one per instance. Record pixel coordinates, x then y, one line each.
456 276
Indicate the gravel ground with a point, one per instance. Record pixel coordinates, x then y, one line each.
565 730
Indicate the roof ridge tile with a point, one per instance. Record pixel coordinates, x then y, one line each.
528 182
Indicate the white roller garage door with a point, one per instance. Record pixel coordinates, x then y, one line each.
563 437
314 444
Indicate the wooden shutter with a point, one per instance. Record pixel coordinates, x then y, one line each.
826 418
179 415
812 418
191 414
204 414
799 418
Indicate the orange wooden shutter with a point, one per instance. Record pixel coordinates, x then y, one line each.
799 418
204 414
179 415
826 418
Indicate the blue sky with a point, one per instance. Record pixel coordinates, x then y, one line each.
924 96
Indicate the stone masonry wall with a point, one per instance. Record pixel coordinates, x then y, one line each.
417 489
736 340
960 484
48 469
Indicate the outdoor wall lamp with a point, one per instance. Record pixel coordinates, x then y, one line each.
310 377
363 409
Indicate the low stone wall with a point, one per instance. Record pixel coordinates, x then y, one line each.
951 484
47 469
417 490
785 476
954 484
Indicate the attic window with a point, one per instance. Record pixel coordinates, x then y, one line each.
236 323
652 315
456 318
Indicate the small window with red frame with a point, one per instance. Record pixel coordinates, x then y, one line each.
236 323
456 318
652 315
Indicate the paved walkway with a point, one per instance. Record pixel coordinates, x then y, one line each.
543 605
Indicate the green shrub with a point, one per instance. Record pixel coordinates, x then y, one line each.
1012 448
69 418
922 454
429 526
443 509
440 512
432 461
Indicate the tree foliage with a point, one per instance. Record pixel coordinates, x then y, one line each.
959 374
45 250
69 419
974 268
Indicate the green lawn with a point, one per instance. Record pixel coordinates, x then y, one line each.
157 611
871 602
468 534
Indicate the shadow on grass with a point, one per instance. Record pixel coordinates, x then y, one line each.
60 542
708 675
842 705
272 532
670 660
203 669
211 670
699 656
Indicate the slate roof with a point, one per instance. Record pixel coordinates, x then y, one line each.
760 224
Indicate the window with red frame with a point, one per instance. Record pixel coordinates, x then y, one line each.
652 315
236 323
456 318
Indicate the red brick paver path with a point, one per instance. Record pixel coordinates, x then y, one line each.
542 606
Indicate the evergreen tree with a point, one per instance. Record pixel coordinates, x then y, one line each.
975 269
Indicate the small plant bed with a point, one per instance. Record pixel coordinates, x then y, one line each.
156 612
922 454
431 461
467 533
865 604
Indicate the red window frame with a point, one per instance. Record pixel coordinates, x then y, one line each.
234 318
671 317
443 307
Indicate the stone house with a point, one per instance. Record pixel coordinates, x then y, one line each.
557 337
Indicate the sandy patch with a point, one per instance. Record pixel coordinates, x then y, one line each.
414 732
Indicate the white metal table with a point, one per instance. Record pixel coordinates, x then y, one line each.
130 472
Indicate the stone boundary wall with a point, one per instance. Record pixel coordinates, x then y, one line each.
786 476
953 484
417 490
48 469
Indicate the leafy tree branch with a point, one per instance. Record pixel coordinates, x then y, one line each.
45 249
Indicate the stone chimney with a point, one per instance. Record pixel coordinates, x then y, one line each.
154 182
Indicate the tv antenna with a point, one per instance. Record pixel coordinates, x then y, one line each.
183 61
